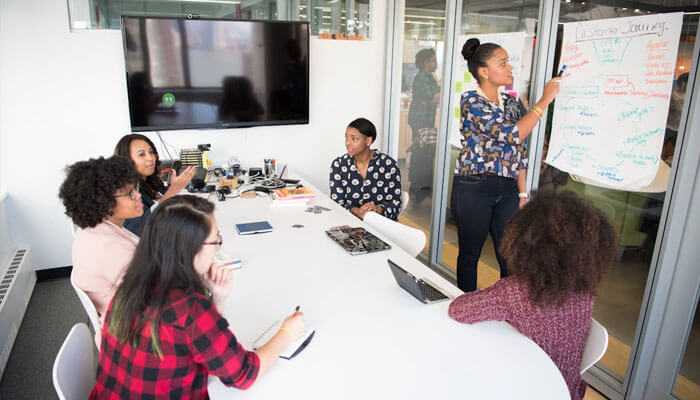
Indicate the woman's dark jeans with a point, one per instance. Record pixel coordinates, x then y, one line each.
481 204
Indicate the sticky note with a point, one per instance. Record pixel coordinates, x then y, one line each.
458 114
467 76
459 86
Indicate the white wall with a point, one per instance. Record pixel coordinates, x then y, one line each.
64 99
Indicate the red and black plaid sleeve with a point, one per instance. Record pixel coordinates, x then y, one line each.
212 344
194 341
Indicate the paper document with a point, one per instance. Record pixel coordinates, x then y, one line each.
294 348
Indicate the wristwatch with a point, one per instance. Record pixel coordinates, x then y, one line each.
523 195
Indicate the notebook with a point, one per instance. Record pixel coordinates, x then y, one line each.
422 290
356 240
253 227
294 348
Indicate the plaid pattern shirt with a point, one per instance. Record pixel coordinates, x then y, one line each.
195 341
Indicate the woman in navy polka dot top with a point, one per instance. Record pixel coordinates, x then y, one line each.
363 179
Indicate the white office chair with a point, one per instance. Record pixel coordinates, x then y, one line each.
89 307
405 198
596 344
75 366
410 239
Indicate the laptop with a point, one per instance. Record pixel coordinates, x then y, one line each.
253 227
356 240
422 290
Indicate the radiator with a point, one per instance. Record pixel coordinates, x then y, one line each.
16 289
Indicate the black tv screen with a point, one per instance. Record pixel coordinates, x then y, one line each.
205 73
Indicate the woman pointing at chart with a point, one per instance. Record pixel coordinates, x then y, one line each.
492 162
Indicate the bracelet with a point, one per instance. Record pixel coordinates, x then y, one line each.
537 111
523 195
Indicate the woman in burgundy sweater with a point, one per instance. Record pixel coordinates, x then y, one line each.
558 247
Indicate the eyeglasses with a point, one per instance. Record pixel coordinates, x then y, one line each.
132 194
219 242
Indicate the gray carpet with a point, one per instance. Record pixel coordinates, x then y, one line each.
53 309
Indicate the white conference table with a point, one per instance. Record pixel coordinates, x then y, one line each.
373 340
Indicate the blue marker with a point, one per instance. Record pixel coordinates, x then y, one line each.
561 71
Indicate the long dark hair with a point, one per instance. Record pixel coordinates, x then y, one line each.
559 245
151 185
476 54
163 261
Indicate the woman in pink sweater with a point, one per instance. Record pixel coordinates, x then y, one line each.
99 195
558 247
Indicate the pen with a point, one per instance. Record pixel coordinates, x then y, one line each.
561 71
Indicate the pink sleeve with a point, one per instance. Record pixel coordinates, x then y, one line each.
482 305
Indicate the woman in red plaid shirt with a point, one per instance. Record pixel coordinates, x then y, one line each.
163 333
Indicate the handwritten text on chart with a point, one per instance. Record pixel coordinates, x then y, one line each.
636 157
609 173
624 30
634 114
609 118
644 137
581 130
582 110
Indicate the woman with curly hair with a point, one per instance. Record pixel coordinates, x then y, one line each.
99 195
143 154
558 247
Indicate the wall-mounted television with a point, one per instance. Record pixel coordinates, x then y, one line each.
206 73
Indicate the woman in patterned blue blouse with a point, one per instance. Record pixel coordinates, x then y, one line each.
364 179
492 163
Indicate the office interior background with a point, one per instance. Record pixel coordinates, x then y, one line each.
63 98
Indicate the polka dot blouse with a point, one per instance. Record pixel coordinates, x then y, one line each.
381 186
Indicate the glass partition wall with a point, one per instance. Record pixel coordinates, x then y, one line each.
422 47
635 214
511 24
639 217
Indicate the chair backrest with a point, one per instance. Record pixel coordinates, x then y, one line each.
405 198
75 366
596 345
89 307
410 239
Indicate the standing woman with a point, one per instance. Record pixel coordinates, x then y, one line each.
141 151
494 126
163 333
421 118
363 179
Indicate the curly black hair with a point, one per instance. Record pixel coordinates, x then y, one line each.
89 188
558 244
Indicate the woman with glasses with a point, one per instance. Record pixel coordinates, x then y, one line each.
99 195
163 333
143 154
